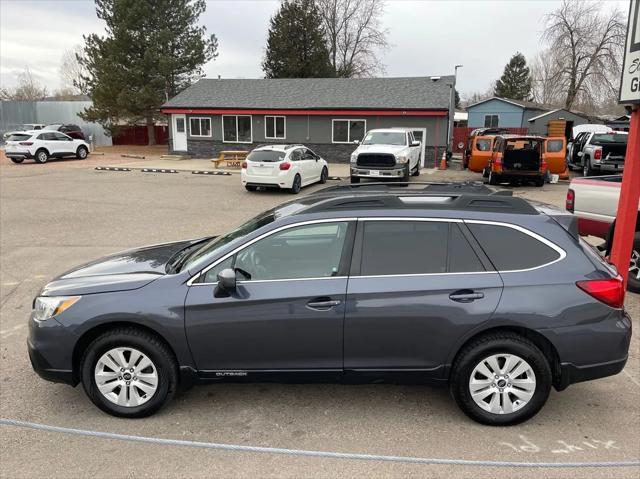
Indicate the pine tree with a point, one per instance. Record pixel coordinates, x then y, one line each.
515 82
152 50
296 47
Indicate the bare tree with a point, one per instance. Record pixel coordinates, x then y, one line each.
545 74
354 35
588 44
28 89
72 70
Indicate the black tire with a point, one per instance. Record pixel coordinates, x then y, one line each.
296 186
494 179
416 172
355 179
485 173
324 175
586 168
499 343
17 160
406 175
41 156
82 152
633 282
539 181
148 344
251 187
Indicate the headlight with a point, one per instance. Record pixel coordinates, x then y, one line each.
401 159
46 307
354 157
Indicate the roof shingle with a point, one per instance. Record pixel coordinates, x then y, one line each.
317 93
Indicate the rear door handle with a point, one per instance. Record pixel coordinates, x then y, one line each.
465 296
323 304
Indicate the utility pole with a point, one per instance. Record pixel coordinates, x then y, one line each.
452 109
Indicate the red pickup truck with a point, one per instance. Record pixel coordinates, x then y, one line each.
594 200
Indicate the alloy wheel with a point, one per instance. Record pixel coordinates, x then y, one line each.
634 264
502 383
126 377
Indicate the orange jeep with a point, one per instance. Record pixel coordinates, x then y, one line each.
517 158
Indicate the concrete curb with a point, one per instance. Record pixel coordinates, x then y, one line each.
158 170
111 168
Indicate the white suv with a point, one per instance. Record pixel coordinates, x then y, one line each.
41 145
386 153
283 166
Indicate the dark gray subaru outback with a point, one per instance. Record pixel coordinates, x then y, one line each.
454 284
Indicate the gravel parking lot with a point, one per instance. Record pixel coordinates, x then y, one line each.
64 213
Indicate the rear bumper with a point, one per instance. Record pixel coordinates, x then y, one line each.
266 181
371 172
18 154
571 374
613 167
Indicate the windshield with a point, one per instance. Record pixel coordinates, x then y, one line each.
609 138
266 156
211 248
385 138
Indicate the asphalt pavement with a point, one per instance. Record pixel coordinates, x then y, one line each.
59 216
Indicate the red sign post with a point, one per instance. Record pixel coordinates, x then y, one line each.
630 191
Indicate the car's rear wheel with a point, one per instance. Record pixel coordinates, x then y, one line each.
251 187
539 181
633 281
324 175
501 379
296 185
586 168
41 156
17 160
127 372
494 179
82 152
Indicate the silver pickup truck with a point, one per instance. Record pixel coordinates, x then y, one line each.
598 152
595 202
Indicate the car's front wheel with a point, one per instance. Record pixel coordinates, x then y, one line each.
633 281
324 175
82 152
127 372
501 379
355 179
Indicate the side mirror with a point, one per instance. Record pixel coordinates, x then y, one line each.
415 143
356 142
227 279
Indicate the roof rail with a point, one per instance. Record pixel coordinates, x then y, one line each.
476 187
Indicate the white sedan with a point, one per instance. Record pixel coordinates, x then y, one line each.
283 166
42 145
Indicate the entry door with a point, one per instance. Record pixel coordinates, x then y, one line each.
179 132
406 309
287 312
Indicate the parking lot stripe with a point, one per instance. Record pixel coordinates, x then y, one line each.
311 453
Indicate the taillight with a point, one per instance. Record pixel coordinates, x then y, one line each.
543 165
26 143
597 155
244 165
569 204
285 165
609 291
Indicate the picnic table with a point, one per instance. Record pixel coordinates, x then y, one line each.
230 158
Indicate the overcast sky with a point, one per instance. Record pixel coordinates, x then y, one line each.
427 37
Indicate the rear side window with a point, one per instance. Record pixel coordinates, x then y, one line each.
510 249
554 146
404 247
462 258
18 137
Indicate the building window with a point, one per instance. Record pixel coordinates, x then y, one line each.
199 126
348 131
491 121
237 129
275 127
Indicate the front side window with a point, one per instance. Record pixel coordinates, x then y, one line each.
505 246
404 247
237 129
348 131
491 121
200 126
301 252
483 145
274 127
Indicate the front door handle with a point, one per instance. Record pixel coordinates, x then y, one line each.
323 304
465 296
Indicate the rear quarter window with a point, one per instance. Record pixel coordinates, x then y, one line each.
554 146
510 249
18 137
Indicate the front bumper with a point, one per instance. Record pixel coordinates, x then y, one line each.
381 172
50 347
